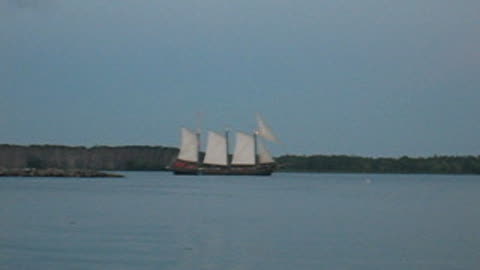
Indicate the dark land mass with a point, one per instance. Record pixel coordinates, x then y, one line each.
156 158
51 172
120 158
355 164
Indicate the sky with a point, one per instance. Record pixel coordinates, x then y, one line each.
369 78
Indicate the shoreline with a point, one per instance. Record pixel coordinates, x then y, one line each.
54 172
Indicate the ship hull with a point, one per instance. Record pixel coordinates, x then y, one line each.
201 171
261 170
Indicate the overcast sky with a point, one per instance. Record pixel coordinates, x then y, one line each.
371 77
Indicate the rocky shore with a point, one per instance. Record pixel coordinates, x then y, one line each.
52 172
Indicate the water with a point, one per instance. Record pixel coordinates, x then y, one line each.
153 220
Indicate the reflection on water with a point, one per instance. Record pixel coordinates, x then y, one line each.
287 221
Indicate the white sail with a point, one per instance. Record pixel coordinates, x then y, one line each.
216 153
263 155
244 153
189 146
264 130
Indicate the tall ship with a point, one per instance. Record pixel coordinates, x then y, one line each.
250 157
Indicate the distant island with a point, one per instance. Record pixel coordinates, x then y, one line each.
157 158
355 164
54 172
79 161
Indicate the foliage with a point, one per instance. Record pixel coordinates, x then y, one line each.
35 162
355 164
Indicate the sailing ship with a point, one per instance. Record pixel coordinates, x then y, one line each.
250 157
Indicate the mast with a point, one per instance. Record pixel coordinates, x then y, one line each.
198 147
199 124
227 148
255 147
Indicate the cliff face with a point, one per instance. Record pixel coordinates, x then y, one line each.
98 157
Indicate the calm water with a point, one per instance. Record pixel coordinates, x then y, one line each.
288 221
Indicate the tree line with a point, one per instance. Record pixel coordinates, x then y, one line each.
356 164
159 157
